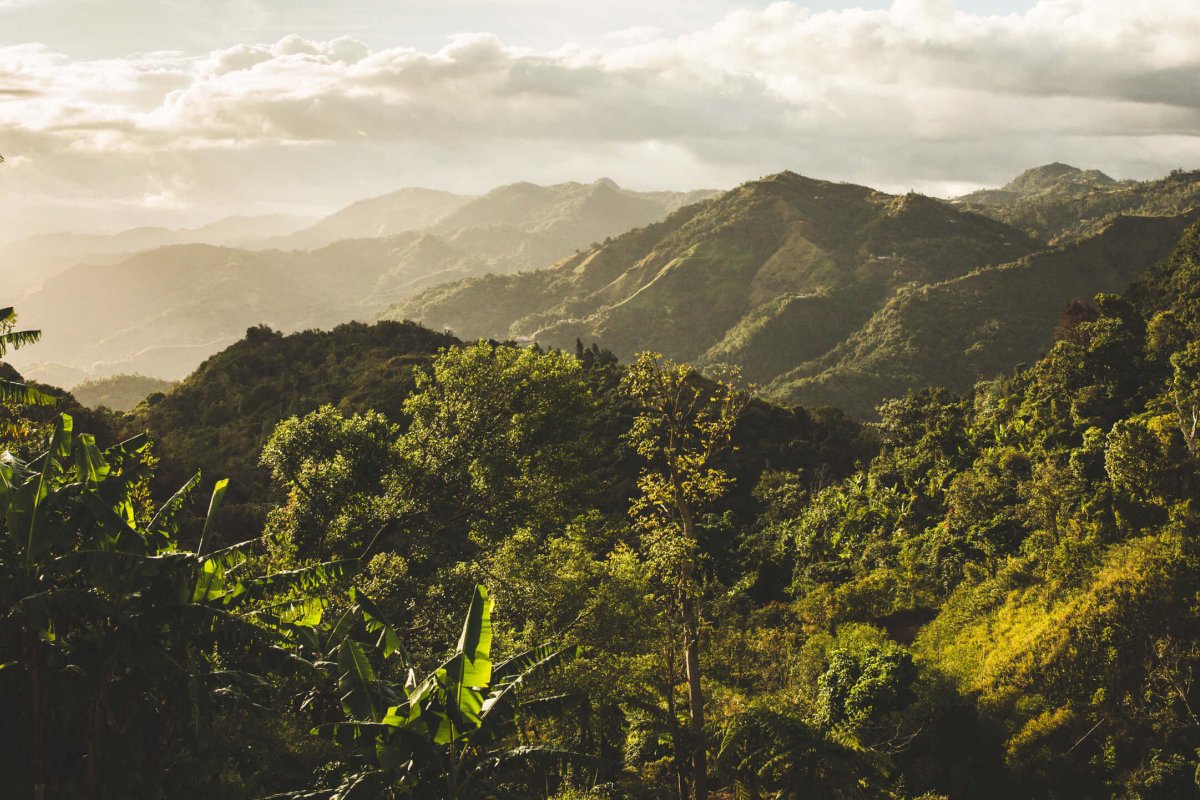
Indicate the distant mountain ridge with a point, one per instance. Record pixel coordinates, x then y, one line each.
376 217
119 392
1058 203
796 281
181 303
821 292
1056 177
28 262
708 282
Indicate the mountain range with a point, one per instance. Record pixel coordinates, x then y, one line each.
29 262
162 311
830 293
819 292
1058 203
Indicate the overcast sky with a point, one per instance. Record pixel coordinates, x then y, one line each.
120 112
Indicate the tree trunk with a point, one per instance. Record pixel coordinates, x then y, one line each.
677 748
95 737
691 651
691 648
37 743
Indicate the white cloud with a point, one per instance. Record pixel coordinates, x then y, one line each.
920 95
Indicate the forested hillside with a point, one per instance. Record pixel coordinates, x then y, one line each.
445 569
981 324
1058 203
219 418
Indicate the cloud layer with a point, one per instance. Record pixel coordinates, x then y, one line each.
920 95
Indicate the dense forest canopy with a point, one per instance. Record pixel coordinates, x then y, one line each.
415 566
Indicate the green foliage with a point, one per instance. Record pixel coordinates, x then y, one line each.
122 652
336 469
501 433
219 418
984 595
15 393
682 426
440 736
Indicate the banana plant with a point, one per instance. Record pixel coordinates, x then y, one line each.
116 646
448 735
14 392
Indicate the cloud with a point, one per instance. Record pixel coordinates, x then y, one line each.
918 95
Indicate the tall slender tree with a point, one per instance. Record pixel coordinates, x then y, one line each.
683 423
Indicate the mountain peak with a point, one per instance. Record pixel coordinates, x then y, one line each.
1047 176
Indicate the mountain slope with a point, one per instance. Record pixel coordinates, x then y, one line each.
28 262
553 219
767 276
978 325
390 214
161 312
164 311
825 292
566 212
1058 203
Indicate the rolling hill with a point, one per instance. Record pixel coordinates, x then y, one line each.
981 324
218 418
26 263
162 311
1058 203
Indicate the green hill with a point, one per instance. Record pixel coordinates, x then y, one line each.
1058 203
1057 178
981 324
831 293
219 417
767 276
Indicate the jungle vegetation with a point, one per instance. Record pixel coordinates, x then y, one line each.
483 570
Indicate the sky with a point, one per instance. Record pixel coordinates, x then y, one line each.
124 112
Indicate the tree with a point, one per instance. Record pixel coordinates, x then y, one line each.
1185 393
118 649
683 423
337 471
498 439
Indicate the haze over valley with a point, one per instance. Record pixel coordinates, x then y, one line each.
185 295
